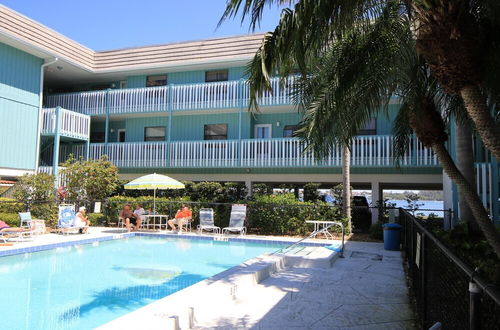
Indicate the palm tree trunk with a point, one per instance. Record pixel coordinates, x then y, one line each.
346 185
475 104
465 164
468 191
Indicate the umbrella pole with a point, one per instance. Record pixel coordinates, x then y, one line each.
154 200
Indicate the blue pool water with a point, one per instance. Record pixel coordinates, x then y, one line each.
81 287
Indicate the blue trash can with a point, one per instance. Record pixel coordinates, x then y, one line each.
392 236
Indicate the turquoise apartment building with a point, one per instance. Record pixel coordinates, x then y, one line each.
181 109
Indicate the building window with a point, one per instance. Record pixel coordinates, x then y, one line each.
96 137
155 133
215 132
152 81
370 127
289 130
218 75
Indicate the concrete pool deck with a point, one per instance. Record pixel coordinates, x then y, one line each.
364 290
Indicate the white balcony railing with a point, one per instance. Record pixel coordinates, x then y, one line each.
71 124
216 95
367 151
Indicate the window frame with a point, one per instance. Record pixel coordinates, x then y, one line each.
295 128
226 71
155 139
366 130
157 75
206 137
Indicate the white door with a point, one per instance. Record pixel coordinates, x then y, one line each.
263 131
263 149
121 135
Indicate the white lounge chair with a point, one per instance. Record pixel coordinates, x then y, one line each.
207 221
237 220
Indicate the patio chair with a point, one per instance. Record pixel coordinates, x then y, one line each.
66 222
237 220
35 226
207 221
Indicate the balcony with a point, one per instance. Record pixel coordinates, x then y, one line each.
367 151
202 96
71 124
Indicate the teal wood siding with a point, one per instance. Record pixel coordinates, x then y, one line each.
385 121
185 77
188 77
136 81
19 96
134 127
100 126
191 127
292 118
236 73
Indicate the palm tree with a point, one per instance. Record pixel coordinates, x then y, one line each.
458 39
460 42
351 64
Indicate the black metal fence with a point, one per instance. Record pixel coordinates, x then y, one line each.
446 290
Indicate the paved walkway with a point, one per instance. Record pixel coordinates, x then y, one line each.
365 290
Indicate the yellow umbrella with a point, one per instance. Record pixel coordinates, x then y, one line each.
153 182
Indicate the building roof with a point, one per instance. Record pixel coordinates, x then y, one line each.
33 37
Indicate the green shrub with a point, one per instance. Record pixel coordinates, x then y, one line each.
283 214
376 231
208 192
97 219
9 205
12 219
261 189
311 192
47 211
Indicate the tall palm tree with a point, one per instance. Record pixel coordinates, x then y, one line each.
459 39
353 55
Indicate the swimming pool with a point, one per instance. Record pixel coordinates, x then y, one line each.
84 286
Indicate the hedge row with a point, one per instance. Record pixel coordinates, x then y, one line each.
267 214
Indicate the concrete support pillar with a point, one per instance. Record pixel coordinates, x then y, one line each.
248 184
87 149
55 156
448 202
376 197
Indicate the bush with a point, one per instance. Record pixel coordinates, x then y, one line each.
376 231
311 192
97 219
283 214
35 187
12 219
47 211
208 192
9 205
261 189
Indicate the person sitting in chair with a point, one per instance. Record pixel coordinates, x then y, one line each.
183 214
81 221
127 216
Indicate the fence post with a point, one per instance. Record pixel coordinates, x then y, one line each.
423 279
474 304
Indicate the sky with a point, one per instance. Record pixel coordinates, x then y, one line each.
113 24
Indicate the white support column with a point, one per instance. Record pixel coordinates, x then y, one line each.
447 201
248 184
376 196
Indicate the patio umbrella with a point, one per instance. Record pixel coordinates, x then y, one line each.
153 182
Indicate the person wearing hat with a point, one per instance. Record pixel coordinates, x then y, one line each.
81 220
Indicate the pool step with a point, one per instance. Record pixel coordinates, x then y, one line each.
204 298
